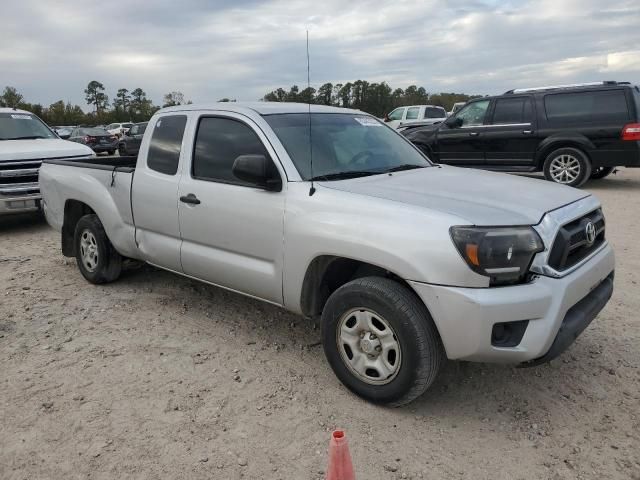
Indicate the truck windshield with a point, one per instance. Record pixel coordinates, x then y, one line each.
22 126
343 145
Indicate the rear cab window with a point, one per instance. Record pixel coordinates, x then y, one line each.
166 144
412 113
590 106
434 112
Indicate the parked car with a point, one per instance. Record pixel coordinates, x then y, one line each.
118 129
130 142
456 106
98 139
571 132
25 141
404 261
63 132
422 114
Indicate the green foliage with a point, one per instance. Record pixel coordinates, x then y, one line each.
127 106
375 98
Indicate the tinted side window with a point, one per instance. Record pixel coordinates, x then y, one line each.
473 113
512 110
412 113
432 112
164 149
219 141
608 105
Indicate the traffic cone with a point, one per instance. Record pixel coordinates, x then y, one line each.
340 467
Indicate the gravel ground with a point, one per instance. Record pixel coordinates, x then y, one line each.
158 376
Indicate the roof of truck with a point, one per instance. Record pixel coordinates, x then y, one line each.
263 108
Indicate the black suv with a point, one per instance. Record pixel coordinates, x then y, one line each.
130 142
571 132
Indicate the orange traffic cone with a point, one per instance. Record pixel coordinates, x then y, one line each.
340 467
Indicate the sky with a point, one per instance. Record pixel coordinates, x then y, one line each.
242 49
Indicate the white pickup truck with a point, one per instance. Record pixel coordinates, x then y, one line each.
25 141
330 213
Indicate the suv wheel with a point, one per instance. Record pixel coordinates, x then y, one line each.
122 150
381 341
601 172
568 166
97 260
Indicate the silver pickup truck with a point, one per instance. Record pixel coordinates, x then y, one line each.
329 213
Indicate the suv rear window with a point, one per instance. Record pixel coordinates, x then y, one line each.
608 105
166 142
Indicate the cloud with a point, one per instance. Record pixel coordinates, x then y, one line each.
242 49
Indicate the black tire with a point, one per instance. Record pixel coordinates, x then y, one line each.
122 150
422 353
109 262
582 161
112 152
601 172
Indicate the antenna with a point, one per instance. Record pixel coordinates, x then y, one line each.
312 190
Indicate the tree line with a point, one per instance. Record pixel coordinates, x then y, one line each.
375 98
127 105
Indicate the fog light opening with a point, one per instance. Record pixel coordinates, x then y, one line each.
508 334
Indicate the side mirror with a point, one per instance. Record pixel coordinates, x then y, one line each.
258 170
453 122
386 118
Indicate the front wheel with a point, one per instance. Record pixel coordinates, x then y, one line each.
97 260
567 166
122 150
381 341
601 172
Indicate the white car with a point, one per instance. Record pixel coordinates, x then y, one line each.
118 129
25 141
425 114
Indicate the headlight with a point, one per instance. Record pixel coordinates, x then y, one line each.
502 254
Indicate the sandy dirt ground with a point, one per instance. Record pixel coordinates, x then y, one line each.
157 376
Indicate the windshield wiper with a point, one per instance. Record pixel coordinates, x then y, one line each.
345 175
405 166
30 137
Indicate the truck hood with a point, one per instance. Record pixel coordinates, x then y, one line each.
478 197
41 148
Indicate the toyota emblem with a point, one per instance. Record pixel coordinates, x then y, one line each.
590 232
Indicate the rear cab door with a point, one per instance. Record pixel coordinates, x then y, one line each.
232 231
510 136
155 190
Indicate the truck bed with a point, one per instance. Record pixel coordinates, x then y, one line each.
101 185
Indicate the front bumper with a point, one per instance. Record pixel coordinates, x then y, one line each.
465 316
20 204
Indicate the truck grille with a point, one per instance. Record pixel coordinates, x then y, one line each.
19 178
572 243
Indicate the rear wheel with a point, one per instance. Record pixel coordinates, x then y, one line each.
567 166
381 341
97 260
601 172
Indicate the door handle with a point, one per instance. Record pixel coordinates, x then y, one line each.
191 199
527 132
474 134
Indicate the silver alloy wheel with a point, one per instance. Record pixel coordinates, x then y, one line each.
368 346
89 250
565 168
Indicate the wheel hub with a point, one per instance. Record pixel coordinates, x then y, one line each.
370 344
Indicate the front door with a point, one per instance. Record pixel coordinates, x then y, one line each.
395 117
462 143
232 232
510 138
